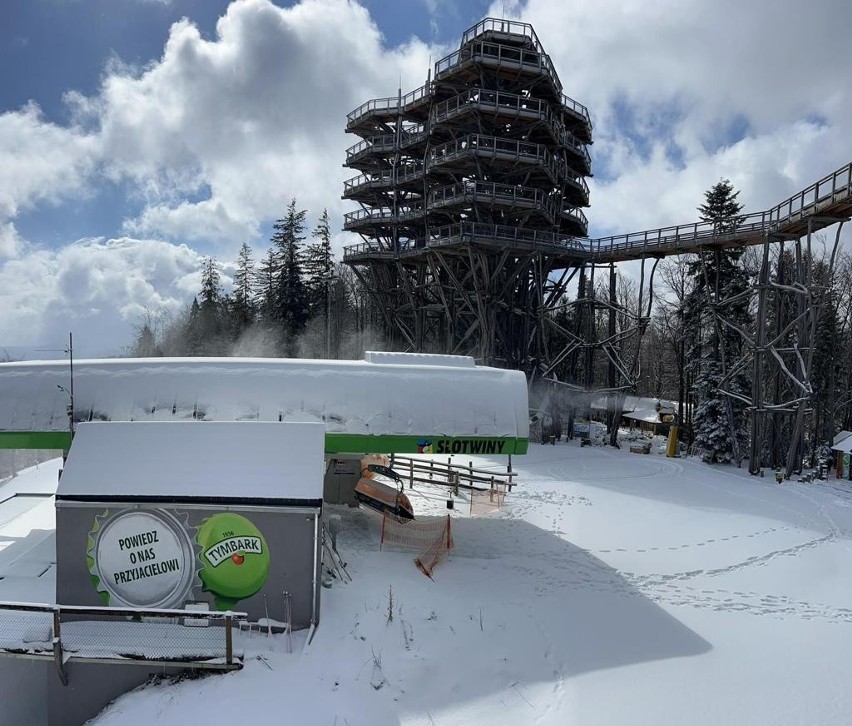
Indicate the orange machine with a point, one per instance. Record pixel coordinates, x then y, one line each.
383 498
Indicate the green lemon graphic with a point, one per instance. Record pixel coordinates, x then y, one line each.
234 558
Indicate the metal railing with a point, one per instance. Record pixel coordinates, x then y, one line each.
472 145
371 249
392 105
832 188
494 54
498 100
476 190
577 108
383 178
375 104
383 143
119 635
504 27
577 215
494 146
413 98
473 231
512 27
549 204
514 103
360 217
474 98
523 151
371 145
812 200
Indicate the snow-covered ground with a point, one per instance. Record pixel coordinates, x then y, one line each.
613 588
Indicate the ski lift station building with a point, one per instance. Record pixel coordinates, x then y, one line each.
198 484
387 403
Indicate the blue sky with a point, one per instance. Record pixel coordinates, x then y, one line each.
138 136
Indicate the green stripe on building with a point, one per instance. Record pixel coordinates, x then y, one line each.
34 439
335 443
440 445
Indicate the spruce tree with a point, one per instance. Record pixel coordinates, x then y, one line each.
145 345
290 310
319 268
243 309
824 373
717 294
721 207
193 339
267 277
211 306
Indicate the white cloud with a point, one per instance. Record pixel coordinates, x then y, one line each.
39 162
10 240
96 288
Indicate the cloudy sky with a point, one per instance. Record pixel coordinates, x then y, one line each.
138 136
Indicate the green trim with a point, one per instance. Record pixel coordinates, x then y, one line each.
399 444
334 443
35 440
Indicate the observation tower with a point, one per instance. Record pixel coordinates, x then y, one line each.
471 190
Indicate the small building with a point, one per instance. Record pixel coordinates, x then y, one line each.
842 449
654 415
162 514
651 414
220 516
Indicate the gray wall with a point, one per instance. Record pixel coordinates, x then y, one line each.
23 684
342 473
91 687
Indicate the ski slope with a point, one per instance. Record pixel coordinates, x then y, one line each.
612 589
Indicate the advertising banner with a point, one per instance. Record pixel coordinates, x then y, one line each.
160 558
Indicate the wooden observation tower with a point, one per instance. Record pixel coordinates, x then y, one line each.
471 190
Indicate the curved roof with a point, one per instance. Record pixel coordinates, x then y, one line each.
387 405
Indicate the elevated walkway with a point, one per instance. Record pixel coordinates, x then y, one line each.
823 203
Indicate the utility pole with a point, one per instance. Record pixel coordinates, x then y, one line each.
71 393
69 351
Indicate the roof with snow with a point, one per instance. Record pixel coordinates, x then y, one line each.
841 435
639 408
181 461
388 402
843 442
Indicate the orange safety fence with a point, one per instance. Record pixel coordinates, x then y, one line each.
432 536
483 501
